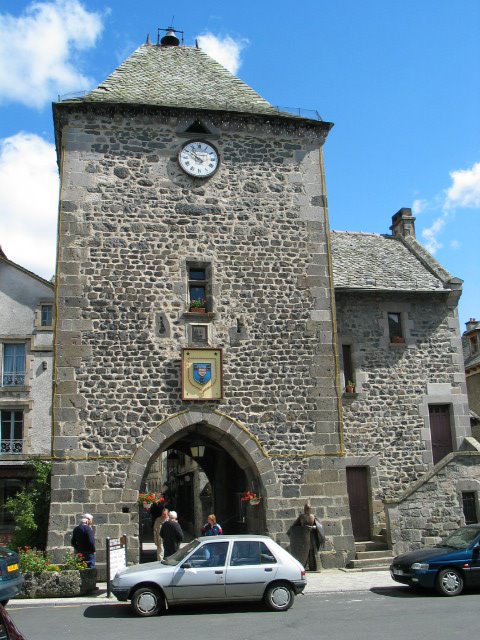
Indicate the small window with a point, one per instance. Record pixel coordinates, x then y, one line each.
11 431
46 313
13 370
199 287
473 344
469 507
395 329
348 372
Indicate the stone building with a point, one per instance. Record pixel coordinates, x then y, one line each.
26 356
471 355
197 287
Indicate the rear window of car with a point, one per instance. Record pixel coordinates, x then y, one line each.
7 553
251 552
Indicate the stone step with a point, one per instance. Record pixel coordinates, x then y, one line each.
369 555
370 545
371 564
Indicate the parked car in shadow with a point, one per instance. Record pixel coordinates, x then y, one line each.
448 567
11 580
230 568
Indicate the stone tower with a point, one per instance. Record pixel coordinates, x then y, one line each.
183 190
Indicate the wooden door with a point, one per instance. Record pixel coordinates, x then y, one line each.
440 430
358 498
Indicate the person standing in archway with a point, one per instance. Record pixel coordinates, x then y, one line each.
171 534
157 526
212 528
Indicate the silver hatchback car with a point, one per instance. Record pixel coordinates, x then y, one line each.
214 569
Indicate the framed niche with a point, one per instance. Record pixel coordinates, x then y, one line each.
202 374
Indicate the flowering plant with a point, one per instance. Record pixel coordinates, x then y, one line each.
199 303
72 561
147 499
248 495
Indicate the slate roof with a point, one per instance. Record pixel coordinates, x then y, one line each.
176 77
381 262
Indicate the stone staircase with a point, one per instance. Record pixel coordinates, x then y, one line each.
372 555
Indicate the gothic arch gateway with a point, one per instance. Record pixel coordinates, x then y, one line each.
232 460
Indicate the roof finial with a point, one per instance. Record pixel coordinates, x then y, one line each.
148 39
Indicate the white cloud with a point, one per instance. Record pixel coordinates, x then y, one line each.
29 202
225 50
419 205
455 244
37 51
465 189
430 234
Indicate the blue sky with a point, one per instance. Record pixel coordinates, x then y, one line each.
399 78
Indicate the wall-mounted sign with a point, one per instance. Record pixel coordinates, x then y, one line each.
202 374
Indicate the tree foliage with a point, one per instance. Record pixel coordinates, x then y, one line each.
30 509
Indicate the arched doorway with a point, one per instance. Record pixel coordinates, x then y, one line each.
202 469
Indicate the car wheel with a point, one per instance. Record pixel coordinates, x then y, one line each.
279 596
449 582
4 603
147 601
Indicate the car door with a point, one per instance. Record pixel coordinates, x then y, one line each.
202 575
251 567
475 564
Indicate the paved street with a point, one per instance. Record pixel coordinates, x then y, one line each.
390 612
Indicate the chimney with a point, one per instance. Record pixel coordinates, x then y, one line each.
471 324
403 224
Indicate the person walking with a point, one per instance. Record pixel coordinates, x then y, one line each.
83 540
171 534
157 526
212 528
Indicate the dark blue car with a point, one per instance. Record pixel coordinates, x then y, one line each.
448 567
11 580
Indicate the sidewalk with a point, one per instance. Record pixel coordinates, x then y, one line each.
327 581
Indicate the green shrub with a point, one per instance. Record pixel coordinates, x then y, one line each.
53 567
30 509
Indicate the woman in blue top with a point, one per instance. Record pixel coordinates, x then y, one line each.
212 528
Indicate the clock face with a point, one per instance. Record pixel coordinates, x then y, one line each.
198 159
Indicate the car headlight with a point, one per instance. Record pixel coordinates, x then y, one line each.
419 566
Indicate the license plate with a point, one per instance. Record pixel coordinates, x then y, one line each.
398 572
12 567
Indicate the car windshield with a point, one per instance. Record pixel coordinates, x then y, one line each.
460 539
182 553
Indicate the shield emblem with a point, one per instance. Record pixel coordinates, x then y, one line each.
202 372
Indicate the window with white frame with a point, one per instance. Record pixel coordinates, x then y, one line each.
13 365
11 431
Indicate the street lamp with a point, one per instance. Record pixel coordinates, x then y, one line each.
197 450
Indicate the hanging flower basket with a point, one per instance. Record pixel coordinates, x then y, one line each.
250 497
147 499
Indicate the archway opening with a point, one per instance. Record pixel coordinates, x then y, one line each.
198 471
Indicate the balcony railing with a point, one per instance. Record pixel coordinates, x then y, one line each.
13 379
11 446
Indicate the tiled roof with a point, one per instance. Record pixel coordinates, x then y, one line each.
379 262
177 77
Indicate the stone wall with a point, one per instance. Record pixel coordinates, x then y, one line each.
130 222
432 508
386 426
